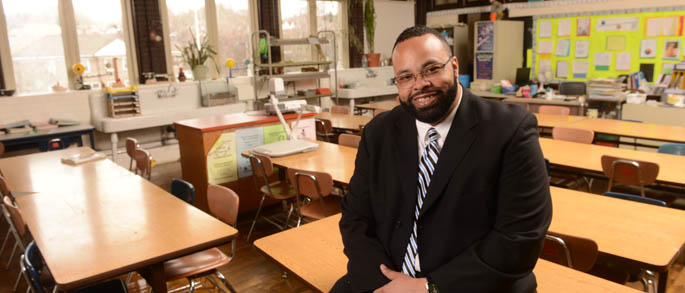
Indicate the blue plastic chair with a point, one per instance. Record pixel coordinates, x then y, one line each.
636 198
31 264
183 190
673 148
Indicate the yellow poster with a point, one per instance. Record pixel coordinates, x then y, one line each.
274 133
222 163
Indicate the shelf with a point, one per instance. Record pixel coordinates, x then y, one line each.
294 64
285 42
299 75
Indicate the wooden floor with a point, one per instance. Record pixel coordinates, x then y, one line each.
250 271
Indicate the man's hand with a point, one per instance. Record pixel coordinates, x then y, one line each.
400 282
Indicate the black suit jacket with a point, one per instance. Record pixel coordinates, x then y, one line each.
488 207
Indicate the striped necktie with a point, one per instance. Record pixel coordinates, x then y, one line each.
427 164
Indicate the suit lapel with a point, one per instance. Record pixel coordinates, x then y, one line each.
459 139
406 154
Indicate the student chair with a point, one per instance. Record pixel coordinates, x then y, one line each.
324 130
131 146
2 148
349 140
183 190
340 109
55 144
670 148
4 191
263 168
554 110
143 163
629 172
574 252
573 134
223 204
32 266
316 187
18 230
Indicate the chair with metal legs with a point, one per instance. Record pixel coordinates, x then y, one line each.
18 230
131 146
263 168
314 200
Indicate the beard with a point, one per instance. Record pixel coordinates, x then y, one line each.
437 111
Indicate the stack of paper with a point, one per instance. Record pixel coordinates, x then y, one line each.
605 89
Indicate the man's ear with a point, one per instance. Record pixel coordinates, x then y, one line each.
455 64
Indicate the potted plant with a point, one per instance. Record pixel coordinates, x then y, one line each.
370 27
196 55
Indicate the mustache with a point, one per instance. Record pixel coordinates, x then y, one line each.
424 91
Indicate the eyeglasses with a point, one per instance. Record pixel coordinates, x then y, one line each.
408 79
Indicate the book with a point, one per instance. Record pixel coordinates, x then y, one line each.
20 129
82 158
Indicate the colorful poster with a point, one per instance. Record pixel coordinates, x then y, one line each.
222 165
486 34
274 133
602 61
583 27
484 65
618 24
648 48
247 139
671 49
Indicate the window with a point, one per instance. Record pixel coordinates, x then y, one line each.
186 21
101 41
295 25
233 18
328 18
35 39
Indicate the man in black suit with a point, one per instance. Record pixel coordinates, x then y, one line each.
450 191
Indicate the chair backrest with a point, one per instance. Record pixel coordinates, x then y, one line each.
31 264
629 172
4 189
223 203
261 165
310 183
349 140
2 148
131 146
183 190
573 88
15 215
377 112
573 134
555 110
669 148
143 162
323 126
575 252
55 144
636 198
340 109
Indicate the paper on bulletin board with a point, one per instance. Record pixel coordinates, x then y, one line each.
669 26
221 160
484 65
562 69
580 68
623 61
564 28
618 24
653 27
563 47
247 139
486 36
583 27
545 66
616 43
671 49
582 49
545 29
274 133
648 48
602 61
306 129
545 47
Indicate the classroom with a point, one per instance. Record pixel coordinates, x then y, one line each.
342 146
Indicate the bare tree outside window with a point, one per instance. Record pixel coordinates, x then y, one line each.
295 25
35 39
328 18
186 20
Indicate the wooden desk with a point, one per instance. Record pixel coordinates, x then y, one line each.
43 136
344 121
490 95
196 137
381 106
335 159
588 157
642 235
551 121
660 132
97 220
314 253
532 105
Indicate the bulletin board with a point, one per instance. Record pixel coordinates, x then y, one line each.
616 43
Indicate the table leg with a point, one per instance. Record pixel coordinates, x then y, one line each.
154 276
663 279
114 139
351 106
92 140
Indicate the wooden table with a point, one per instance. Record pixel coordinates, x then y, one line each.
491 95
380 106
660 132
314 253
97 221
551 120
640 235
345 121
335 159
533 105
587 157
41 137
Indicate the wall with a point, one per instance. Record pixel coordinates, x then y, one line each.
392 17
